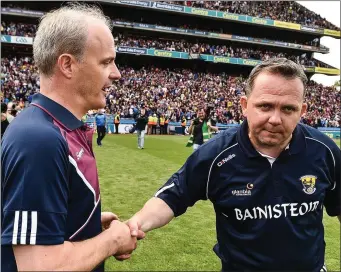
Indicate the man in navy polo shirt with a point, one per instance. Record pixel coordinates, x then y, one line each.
51 206
268 180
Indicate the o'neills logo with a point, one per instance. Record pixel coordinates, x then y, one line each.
225 160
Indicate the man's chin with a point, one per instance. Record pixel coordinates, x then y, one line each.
266 141
98 105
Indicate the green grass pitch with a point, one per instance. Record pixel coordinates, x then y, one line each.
129 177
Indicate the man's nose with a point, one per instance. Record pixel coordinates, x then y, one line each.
114 73
275 118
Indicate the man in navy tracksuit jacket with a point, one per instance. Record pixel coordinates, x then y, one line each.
268 180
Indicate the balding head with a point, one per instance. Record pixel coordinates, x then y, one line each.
62 31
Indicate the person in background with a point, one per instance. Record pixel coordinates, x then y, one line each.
150 124
183 125
84 118
200 130
162 124
101 121
214 121
117 121
154 124
141 122
21 104
166 124
4 121
11 112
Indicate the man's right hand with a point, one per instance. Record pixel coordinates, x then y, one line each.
154 214
124 242
135 228
135 231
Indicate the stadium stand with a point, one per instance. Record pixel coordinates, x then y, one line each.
287 11
173 92
174 72
227 49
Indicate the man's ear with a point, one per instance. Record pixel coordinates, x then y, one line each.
243 104
304 109
67 65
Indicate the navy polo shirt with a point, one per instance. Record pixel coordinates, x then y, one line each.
268 216
49 186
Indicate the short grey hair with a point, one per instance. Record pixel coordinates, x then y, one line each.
64 30
277 66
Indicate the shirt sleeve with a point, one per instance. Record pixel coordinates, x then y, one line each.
34 186
188 184
332 200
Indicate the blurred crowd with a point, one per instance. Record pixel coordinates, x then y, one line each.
228 49
19 80
176 93
287 11
18 29
315 41
28 30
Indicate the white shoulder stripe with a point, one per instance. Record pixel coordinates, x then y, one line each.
74 163
209 173
325 146
23 228
330 153
15 228
164 189
34 223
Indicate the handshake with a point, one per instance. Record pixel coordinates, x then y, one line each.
122 236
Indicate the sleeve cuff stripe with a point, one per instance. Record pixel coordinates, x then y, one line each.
163 189
22 218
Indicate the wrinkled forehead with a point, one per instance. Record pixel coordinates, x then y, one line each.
268 84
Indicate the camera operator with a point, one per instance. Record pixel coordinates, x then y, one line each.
200 129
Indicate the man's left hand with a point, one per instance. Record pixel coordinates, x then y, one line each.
106 218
